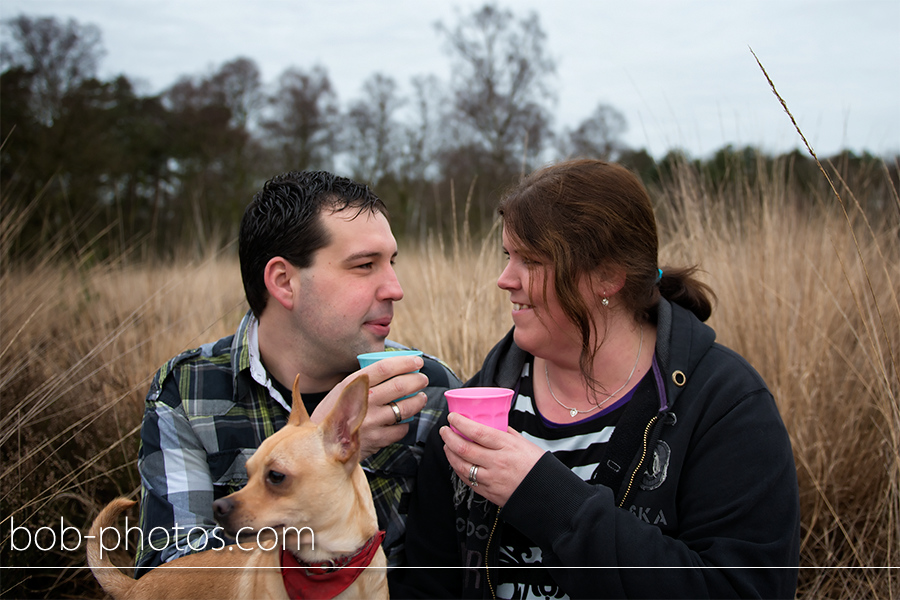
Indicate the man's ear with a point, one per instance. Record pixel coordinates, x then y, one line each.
280 281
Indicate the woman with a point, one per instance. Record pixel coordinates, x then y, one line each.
634 441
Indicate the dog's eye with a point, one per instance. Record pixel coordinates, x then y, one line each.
275 477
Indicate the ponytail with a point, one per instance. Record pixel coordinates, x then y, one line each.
681 286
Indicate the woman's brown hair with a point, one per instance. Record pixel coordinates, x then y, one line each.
587 216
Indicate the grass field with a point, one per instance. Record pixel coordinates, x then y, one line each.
807 292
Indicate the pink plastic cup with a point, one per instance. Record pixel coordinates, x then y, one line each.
487 405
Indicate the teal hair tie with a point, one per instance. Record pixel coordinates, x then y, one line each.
658 277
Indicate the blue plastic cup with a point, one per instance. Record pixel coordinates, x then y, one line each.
373 357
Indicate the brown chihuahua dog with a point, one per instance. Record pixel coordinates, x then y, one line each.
305 523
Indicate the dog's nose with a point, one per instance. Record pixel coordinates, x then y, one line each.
222 507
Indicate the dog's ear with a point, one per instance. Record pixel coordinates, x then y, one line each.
341 426
299 416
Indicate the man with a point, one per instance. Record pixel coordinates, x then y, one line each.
317 262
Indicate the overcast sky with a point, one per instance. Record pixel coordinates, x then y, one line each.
680 71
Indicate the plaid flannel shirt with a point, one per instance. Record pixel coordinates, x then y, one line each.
207 411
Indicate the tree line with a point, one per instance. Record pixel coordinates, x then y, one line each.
93 163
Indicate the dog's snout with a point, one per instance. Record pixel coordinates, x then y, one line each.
222 507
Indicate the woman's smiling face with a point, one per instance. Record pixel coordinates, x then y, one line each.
542 328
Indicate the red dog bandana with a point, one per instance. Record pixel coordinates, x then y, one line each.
327 579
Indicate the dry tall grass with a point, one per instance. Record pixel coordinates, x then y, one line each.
810 298
812 307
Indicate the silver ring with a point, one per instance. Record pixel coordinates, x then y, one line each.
397 416
473 474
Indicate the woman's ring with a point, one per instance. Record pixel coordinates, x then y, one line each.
397 416
473 474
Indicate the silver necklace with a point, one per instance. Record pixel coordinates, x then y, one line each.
574 412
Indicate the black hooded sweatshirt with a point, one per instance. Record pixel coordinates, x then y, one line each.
706 506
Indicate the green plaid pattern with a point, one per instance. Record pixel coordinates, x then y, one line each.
205 415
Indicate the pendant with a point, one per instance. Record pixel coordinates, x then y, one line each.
573 412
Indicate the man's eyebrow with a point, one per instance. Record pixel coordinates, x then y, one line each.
366 254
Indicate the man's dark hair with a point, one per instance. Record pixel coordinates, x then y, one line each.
284 220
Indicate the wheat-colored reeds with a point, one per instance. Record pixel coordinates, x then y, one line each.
452 307
806 293
78 345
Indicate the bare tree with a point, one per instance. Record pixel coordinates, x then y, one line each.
235 86
598 136
58 56
373 135
238 84
303 125
213 157
200 122
421 130
500 86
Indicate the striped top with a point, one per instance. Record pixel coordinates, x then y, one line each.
580 447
